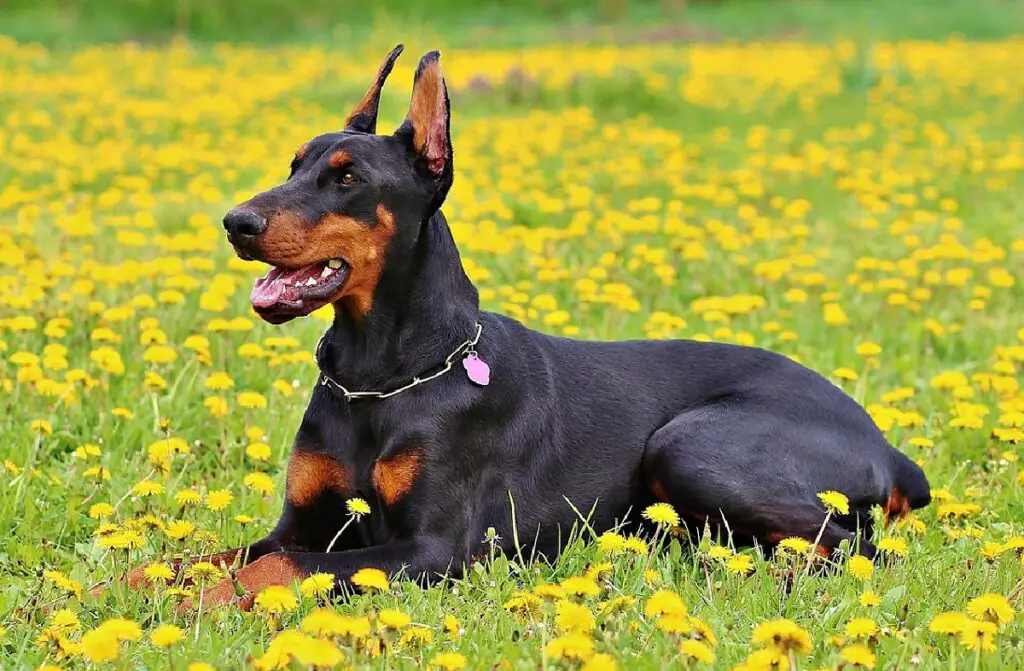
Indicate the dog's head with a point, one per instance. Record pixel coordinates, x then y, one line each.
351 197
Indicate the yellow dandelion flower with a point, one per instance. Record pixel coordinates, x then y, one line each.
703 631
357 506
166 635
147 488
991 607
835 502
325 622
524 604
740 564
41 426
370 579
219 499
611 543
416 635
122 629
950 623
664 602
636 545
187 497
393 619
573 617
893 546
978 636
783 635
672 623
867 349
101 511
99 646
599 571
317 584
275 600
858 655
794 545
573 646
180 529
580 586
158 573
860 567
697 651
662 514
204 572
258 451
259 483
316 652
252 400
449 661
861 627
219 381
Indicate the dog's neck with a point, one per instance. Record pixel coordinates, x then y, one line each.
423 308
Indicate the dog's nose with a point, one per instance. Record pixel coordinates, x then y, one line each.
243 224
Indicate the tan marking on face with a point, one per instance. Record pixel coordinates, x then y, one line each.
301 152
291 243
338 159
394 477
310 474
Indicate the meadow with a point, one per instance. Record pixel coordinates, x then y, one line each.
854 205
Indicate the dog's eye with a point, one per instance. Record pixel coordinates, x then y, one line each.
348 178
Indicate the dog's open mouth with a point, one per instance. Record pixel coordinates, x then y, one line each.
283 294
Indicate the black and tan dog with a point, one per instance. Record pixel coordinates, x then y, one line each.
442 415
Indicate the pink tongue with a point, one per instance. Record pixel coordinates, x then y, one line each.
267 292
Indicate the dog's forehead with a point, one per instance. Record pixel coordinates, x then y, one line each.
353 143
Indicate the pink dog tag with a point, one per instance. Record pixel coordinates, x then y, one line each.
477 369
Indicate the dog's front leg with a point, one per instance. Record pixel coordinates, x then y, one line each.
420 558
232 558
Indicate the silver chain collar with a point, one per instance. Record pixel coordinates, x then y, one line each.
466 348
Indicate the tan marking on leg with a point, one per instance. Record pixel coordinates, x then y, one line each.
272 569
394 477
310 474
897 506
657 489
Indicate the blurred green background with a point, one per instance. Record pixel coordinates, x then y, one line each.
493 23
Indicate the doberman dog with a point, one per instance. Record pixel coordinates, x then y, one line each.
450 420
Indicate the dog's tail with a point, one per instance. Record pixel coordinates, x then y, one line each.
909 491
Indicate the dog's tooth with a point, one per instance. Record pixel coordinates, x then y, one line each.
326 272
310 282
334 264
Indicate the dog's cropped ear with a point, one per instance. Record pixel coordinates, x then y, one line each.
364 117
427 128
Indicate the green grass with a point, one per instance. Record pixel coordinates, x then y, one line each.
567 176
520 23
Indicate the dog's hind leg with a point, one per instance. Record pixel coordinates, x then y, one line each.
722 463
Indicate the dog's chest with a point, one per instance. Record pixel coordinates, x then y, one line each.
382 468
